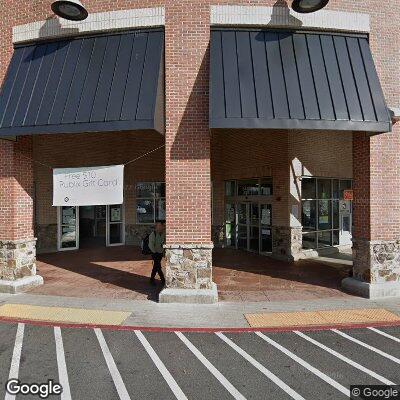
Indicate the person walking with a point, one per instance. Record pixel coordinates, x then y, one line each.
156 246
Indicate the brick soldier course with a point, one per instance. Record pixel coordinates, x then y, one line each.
196 162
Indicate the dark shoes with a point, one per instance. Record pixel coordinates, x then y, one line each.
153 282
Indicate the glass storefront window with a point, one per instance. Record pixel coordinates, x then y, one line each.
160 209
230 188
310 240
144 190
254 214
308 188
266 187
335 238
335 189
335 214
150 202
145 211
249 187
320 211
309 215
242 214
160 189
230 212
324 189
324 215
345 185
324 239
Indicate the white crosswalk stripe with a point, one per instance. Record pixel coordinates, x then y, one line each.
16 357
176 390
385 334
292 393
116 376
62 366
305 364
367 346
221 378
345 359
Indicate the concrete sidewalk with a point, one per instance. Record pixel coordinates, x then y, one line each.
221 315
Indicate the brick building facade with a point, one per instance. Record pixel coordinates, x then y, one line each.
199 164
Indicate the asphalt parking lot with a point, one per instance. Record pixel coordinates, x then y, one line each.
130 364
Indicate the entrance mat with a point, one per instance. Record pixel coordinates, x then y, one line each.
320 318
61 314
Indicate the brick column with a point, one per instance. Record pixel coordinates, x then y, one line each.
376 236
188 244
17 242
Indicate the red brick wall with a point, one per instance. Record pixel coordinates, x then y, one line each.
16 189
188 177
377 186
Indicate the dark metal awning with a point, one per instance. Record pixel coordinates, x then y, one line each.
91 84
294 80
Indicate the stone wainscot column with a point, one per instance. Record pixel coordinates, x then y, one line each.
376 238
17 242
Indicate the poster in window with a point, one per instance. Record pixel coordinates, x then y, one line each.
115 214
265 216
68 215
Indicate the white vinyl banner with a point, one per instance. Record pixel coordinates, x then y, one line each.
88 186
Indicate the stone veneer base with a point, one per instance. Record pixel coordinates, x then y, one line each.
189 296
371 290
20 285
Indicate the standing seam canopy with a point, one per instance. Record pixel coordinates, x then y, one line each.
294 80
100 83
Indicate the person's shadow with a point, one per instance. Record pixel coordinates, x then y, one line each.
281 16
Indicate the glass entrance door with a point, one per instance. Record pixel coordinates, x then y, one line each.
115 225
254 231
108 221
68 228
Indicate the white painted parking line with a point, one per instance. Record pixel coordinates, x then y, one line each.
367 346
61 364
16 357
293 394
177 391
345 359
306 365
221 378
385 334
116 377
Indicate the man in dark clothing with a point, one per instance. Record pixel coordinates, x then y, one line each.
156 245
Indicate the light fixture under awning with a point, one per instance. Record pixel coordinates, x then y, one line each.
294 80
88 84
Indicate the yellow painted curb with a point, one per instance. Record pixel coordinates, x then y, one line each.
320 318
61 314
